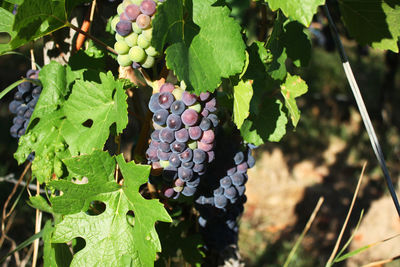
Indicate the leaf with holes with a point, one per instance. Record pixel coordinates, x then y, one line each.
117 241
373 22
91 109
204 42
300 10
44 131
293 87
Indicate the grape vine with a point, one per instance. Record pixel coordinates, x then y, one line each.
146 133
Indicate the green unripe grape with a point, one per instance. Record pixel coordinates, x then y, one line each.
143 42
164 163
148 63
148 33
192 145
137 54
119 37
131 39
177 92
136 28
196 107
121 47
178 188
151 51
120 9
114 22
126 3
136 2
124 60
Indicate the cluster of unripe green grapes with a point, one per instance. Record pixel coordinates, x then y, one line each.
134 33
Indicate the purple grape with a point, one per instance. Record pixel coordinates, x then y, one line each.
250 161
151 154
174 160
148 7
238 158
204 146
202 222
153 103
167 135
163 155
165 100
13 106
198 167
18 95
204 96
143 21
210 156
124 17
21 110
132 12
205 113
179 182
182 135
18 120
14 130
135 65
219 191
165 147
238 179
33 102
178 107
178 147
214 119
167 87
185 174
32 74
169 192
205 124
155 135
188 191
225 182
231 171
211 105
188 98
199 156
186 155
230 193
241 190
220 201
124 27
208 136
194 183
28 113
189 117
195 132
160 116
188 165
36 91
242 168
25 87
154 144
174 122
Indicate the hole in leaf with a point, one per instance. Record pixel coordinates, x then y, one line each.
88 123
96 208
144 191
130 217
77 244
113 93
5 37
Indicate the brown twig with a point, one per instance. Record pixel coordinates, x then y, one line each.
38 223
332 257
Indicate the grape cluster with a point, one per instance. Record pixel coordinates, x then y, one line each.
220 195
183 140
25 99
134 33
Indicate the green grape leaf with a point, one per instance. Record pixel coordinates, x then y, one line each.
91 109
34 19
203 51
297 43
268 125
44 131
54 254
276 67
39 202
293 87
117 241
98 169
373 22
300 10
242 92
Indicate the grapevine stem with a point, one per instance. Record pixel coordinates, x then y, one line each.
88 35
363 110
92 9
37 229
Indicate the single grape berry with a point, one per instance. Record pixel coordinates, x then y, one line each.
143 21
177 107
189 117
165 100
124 27
148 7
132 12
